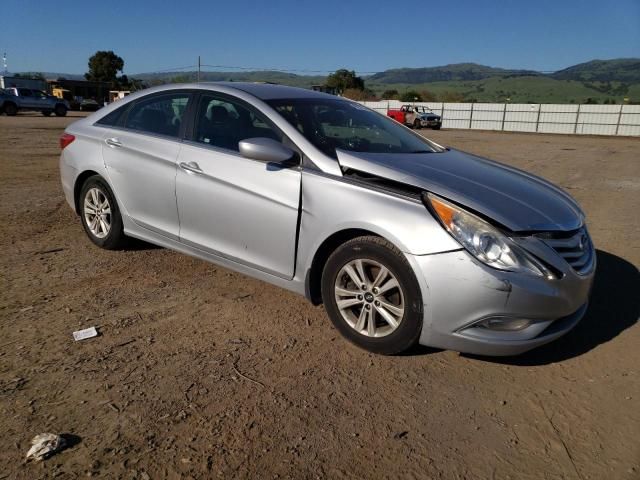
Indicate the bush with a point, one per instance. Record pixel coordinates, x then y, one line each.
411 96
452 97
359 95
427 96
390 94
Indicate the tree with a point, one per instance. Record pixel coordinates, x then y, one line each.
344 79
410 96
104 67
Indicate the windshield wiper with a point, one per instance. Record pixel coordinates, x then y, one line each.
421 151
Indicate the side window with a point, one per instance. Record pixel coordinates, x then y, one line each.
160 114
25 92
223 123
115 118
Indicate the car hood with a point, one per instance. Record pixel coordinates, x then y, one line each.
515 199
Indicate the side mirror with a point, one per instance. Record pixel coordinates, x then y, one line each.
265 149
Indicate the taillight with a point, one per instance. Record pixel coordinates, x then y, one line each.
66 139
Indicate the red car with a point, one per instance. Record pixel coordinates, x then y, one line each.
416 117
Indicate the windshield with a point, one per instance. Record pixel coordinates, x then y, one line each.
339 124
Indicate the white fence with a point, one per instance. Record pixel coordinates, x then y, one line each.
524 117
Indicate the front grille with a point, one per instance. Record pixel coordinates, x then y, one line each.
576 249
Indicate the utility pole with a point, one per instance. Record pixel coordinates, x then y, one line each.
198 69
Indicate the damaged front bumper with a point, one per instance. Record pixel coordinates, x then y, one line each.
472 308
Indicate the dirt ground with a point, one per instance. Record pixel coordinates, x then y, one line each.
199 372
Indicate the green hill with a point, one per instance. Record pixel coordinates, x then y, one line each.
454 72
620 70
283 78
596 81
536 89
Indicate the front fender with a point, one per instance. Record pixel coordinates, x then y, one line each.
332 204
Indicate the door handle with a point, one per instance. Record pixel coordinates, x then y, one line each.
113 142
192 167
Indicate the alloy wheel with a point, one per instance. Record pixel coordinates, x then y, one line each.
97 212
369 297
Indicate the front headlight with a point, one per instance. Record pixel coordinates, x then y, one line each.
485 242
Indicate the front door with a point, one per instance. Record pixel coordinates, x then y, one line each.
28 99
141 156
241 209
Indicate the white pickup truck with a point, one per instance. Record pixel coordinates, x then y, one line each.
35 100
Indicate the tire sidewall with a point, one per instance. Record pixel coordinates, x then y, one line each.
115 237
60 110
10 109
408 332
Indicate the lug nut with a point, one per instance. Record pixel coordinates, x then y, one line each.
375 290
359 297
367 306
377 303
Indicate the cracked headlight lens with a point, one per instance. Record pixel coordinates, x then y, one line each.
485 242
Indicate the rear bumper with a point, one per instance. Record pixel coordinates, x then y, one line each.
68 176
459 292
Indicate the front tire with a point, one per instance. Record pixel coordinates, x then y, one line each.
100 214
60 110
11 109
46 113
372 296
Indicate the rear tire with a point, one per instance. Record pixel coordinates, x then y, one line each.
100 215
417 124
47 113
437 127
11 109
60 110
384 313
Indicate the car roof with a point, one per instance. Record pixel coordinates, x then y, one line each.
270 91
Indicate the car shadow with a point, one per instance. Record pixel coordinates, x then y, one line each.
136 245
613 308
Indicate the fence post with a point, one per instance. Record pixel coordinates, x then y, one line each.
619 115
471 116
575 127
504 114
538 117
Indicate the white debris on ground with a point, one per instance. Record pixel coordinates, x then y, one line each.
45 445
84 334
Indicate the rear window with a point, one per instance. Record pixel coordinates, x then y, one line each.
115 118
158 114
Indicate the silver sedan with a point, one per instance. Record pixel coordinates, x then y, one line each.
402 240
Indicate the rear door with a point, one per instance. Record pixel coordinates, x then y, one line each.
241 209
140 151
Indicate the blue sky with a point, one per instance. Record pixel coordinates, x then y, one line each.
367 36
